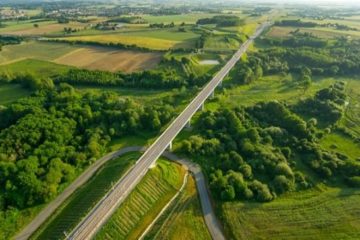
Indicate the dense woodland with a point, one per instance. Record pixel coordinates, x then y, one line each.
252 153
69 130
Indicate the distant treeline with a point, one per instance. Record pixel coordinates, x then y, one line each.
299 23
131 20
110 44
7 40
222 21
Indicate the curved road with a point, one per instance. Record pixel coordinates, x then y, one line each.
211 221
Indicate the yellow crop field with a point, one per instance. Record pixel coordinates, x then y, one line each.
152 43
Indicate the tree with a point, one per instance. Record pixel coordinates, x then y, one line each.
262 192
228 193
283 184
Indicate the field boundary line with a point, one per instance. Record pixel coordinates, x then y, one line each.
14 61
67 54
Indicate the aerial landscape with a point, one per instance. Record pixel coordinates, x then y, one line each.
189 120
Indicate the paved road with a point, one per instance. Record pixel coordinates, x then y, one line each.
209 215
83 178
103 210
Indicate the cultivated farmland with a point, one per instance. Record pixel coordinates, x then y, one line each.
88 57
27 28
144 203
155 39
101 58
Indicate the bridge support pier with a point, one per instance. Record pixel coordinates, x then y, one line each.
169 148
188 124
220 83
202 107
212 95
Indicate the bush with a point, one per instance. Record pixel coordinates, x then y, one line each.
262 192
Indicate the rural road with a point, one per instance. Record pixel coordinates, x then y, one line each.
209 215
104 209
83 178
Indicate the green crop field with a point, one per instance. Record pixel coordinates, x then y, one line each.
32 66
183 220
12 26
11 92
35 50
85 198
155 190
155 39
320 213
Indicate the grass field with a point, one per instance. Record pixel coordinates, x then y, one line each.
32 66
281 88
36 50
11 92
341 143
322 32
183 220
85 198
155 190
352 114
221 43
319 213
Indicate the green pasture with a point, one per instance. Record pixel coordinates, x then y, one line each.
12 92
319 213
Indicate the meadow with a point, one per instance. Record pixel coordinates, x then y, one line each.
35 50
267 88
352 112
37 67
154 191
84 199
319 213
11 92
183 220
